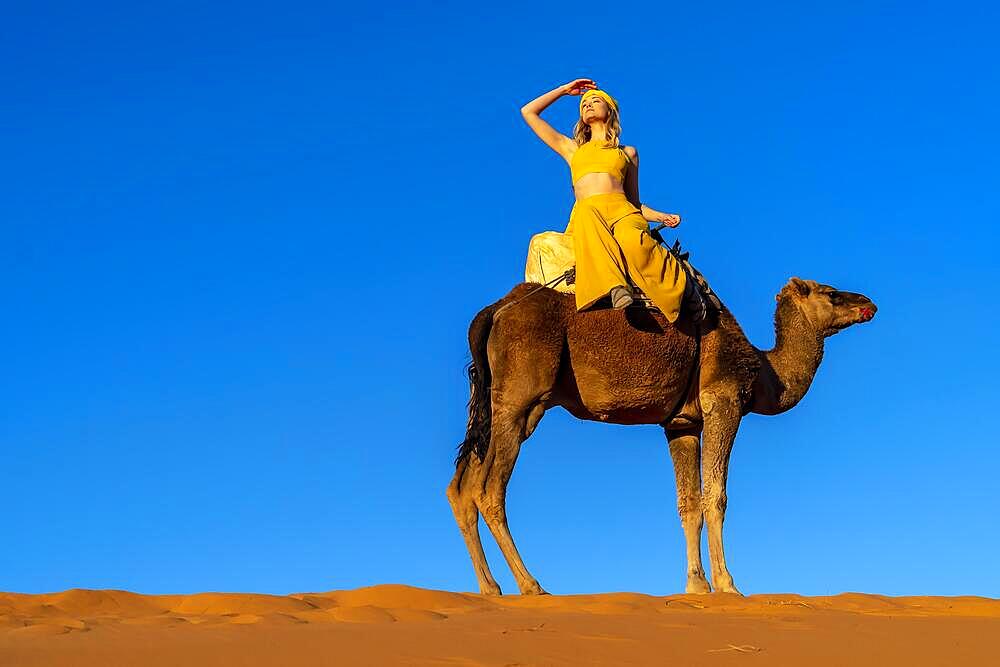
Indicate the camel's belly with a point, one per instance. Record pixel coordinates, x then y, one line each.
625 398
619 373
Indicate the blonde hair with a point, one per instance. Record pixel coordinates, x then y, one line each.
581 131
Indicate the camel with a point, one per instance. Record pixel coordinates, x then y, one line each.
532 351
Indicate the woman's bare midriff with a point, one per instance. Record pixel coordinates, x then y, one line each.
597 183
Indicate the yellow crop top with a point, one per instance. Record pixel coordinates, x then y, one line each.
590 158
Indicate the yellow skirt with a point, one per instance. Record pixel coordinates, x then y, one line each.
613 247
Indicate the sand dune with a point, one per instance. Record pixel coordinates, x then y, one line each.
402 625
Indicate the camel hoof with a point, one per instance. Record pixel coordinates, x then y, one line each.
533 589
697 585
490 590
723 583
728 587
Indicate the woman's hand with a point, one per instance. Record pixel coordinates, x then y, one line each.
578 86
669 219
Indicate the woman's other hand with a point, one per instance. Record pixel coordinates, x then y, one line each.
578 86
669 219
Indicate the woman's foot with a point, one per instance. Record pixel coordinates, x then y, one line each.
621 297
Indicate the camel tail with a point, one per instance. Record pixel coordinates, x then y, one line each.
477 434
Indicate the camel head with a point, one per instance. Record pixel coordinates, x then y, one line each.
826 308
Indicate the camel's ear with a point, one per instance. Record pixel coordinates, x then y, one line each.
801 286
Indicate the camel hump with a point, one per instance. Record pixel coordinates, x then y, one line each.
533 297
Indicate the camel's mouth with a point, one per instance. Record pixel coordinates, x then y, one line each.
857 315
866 313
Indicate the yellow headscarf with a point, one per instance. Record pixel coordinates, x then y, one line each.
600 93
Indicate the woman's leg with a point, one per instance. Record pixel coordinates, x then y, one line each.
600 265
650 266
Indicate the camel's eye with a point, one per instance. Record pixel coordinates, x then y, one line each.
835 296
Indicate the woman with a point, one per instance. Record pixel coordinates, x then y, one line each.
608 223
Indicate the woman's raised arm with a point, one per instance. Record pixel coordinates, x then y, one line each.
554 139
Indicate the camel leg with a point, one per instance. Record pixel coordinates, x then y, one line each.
462 494
722 419
511 427
685 450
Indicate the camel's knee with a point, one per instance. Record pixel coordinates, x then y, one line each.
466 515
463 504
689 508
714 505
493 515
493 507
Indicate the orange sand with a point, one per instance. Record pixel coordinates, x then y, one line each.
400 625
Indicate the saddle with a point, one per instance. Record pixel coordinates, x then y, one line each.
699 301
551 263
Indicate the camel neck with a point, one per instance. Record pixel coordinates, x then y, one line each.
788 369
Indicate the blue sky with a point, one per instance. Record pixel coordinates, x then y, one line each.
241 244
